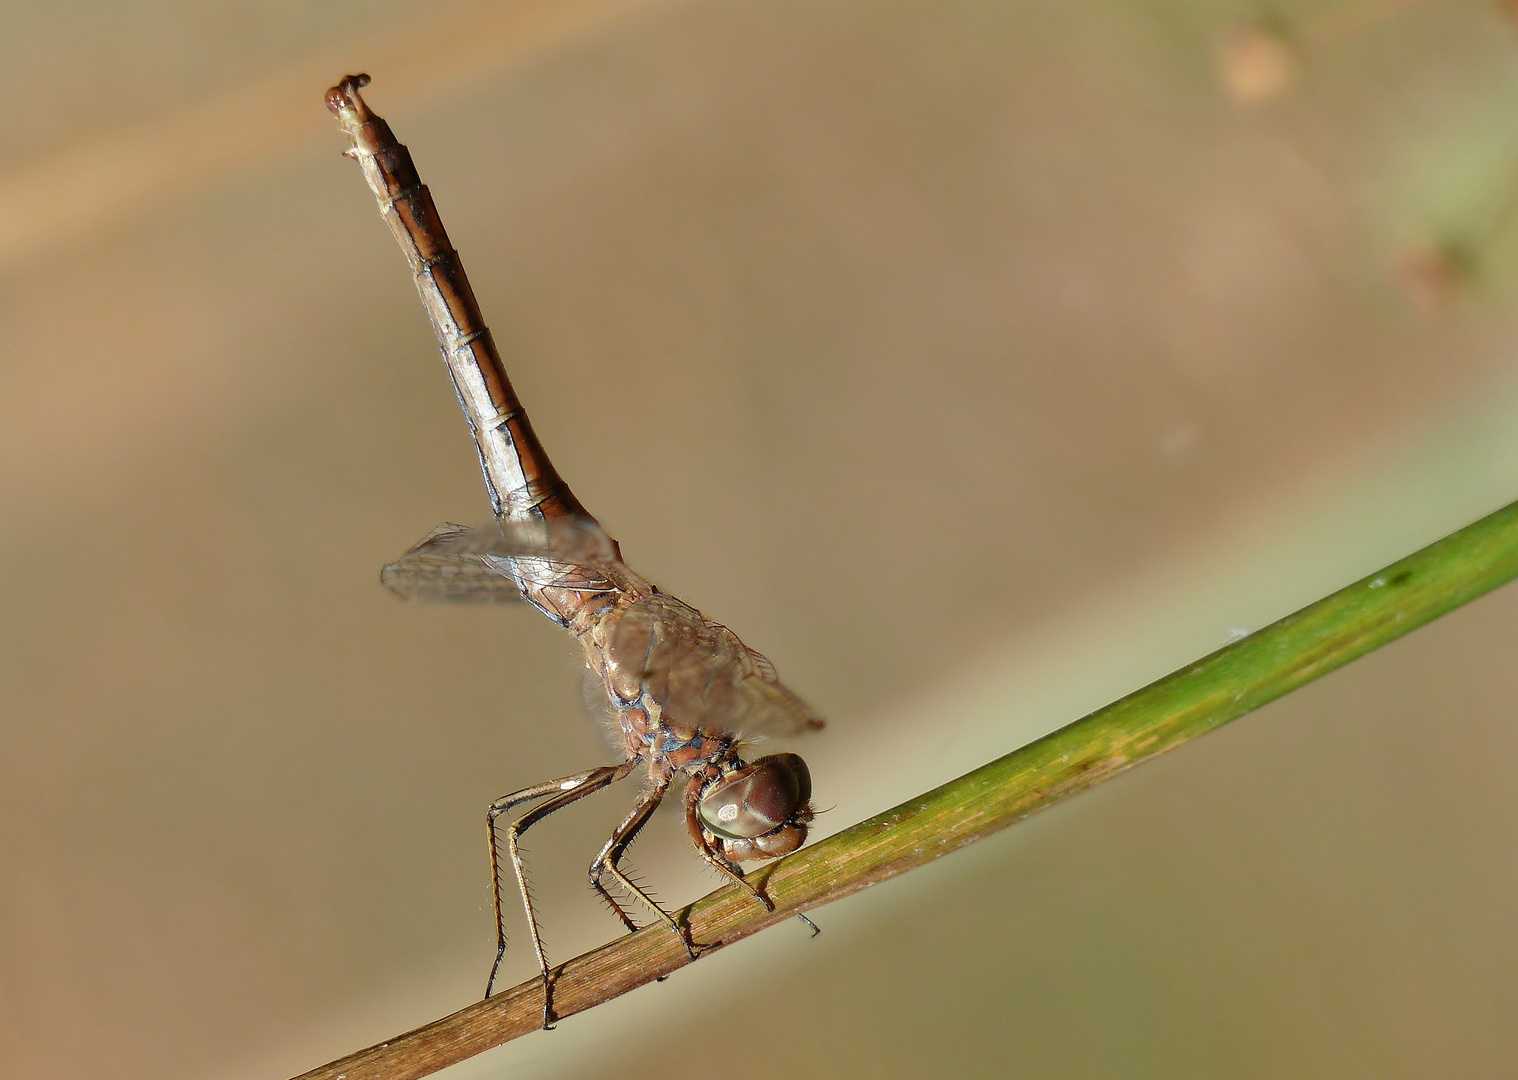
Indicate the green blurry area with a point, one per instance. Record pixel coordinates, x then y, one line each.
976 362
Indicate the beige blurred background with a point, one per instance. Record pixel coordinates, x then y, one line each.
976 361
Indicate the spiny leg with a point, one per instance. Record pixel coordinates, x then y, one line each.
569 789
606 863
501 806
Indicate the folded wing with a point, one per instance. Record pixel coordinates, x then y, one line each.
701 674
454 563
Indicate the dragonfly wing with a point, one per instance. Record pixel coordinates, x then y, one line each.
457 563
701 674
599 708
436 569
760 704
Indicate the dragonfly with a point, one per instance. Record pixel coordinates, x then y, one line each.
682 692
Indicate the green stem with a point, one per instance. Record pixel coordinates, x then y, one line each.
1187 703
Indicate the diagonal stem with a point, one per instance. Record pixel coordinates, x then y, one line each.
1187 703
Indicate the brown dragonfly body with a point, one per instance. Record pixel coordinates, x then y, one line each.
681 689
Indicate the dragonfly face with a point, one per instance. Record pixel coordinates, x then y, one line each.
759 811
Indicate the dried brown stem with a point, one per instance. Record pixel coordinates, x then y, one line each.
1190 702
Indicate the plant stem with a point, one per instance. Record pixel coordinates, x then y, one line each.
1184 704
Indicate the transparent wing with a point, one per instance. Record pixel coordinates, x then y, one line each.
459 564
760 704
433 570
600 710
700 673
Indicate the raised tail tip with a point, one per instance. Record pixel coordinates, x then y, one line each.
344 97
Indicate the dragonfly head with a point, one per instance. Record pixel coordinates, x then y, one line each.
760 810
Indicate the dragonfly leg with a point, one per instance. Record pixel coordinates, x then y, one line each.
606 863
564 791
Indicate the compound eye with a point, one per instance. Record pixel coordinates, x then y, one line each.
756 799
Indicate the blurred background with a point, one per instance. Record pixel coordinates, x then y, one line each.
978 362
